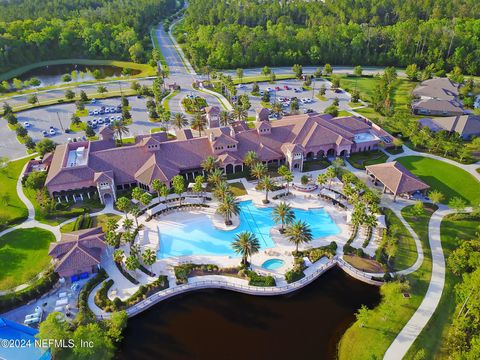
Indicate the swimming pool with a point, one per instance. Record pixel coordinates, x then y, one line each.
273 264
196 235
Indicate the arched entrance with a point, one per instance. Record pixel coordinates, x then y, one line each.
229 169
238 168
309 155
320 154
344 153
331 152
107 199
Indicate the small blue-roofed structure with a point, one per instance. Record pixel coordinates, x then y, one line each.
11 330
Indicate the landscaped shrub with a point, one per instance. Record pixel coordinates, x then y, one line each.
34 291
255 279
84 313
126 274
182 272
292 276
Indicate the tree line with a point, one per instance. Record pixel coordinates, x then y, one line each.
32 31
246 33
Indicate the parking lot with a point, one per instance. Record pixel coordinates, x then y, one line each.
284 90
58 117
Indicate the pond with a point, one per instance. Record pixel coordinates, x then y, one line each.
52 74
220 324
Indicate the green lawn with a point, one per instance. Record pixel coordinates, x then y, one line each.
343 113
167 99
12 210
362 159
432 338
238 189
389 317
318 164
100 220
23 254
449 179
407 251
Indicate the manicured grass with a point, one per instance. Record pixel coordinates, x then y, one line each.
321 97
362 159
166 99
99 220
81 113
449 179
13 210
354 105
390 316
262 78
153 35
65 212
343 113
238 189
407 251
312 165
79 127
433 336
364 264
23 254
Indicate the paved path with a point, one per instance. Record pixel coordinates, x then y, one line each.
420 318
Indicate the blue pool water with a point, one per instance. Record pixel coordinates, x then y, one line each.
197 236
273 264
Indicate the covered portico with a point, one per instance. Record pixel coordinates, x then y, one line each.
395 179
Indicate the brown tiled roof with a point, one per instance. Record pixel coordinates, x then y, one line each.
262 113
465 125
396 177
449 106
212 110
78 249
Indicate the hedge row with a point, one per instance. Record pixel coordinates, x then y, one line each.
84 221
84 312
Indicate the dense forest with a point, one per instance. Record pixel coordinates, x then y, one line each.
32 30
245 33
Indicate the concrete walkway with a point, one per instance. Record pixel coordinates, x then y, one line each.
421 317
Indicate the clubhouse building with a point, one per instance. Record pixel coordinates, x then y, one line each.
79 169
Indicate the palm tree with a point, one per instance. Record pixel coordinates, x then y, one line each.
165 191
245 244
277 108
288 179
258 170
209 164
216 177
111 225
221 190
299 232
157 186
127 224
250 158
198 123
132 263
225 118
149 257
179 121
239 113
267 184
118 256
228 207
119 129
123 204
284 214
135 211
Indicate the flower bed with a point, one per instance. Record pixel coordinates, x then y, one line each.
255 279
126 274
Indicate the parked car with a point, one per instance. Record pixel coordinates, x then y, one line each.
52 132
94 122
89 122
95 112
93 101
69 140
90 113
119 118
269 89
44 133
106 111
286 87
101 112
241 86
277 88
26 124
100 121
68 131
297 90
94 126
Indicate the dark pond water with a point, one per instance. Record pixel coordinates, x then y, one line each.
52 75
219 324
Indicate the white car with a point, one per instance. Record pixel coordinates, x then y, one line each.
26 124
94 122
119 118
95 112
52 132
100 121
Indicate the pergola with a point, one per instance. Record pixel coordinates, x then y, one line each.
395 178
